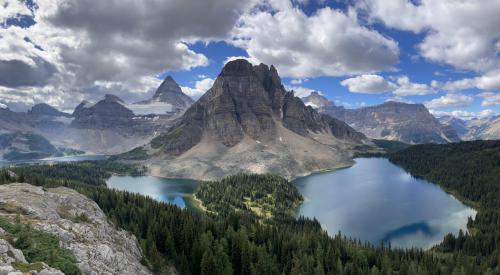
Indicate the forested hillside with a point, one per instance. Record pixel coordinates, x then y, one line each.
263 196
234 243
470 171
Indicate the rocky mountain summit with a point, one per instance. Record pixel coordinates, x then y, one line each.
43 109
169 92
248 122
80 225
316 100
410 123
107 113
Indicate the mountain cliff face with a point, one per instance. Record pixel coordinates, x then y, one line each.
107 113
247 122
410 123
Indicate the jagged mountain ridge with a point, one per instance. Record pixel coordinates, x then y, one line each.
106 127
107 113
487 128
248 122
410 123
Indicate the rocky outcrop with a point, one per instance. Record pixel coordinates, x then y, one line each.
98 246
10 256
248 122
410 123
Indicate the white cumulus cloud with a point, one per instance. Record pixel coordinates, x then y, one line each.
368 84
376 84
407 88
301 91
489 82
490 98
199 89
450 100
464 114
327 43
464 34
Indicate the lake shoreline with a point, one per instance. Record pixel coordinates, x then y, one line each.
314 188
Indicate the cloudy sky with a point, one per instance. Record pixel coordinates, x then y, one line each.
444 54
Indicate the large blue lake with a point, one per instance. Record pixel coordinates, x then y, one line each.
374 201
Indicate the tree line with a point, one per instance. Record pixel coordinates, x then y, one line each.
470 171
232 241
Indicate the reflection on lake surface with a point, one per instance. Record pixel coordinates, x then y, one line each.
175 191
375 201
75 158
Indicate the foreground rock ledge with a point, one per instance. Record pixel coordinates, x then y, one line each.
99 247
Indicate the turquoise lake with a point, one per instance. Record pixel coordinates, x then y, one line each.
374 201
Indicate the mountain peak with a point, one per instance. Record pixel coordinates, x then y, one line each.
168 85
113 98
170 92
317 100
238 67
47 110
248 111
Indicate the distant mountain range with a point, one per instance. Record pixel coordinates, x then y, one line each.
109 126
248 122
410 123
478 128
